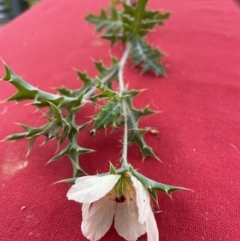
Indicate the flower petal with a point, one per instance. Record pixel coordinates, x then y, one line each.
143 200
126 220
97 219
91 188
152 229
85 209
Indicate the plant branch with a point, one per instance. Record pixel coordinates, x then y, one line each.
122 89
103 80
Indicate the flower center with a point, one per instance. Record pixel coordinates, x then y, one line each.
120 199
123 189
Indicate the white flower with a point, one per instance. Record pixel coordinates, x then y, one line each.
122 197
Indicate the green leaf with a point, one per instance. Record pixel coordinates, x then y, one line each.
107 92
16 137
58 126
144 55
51 129
112 24
139 113
112 169
25 91
81 127
88 83
104 72
41 98
57 112
108 73
65 91
154 186
109 115
127 24
136 135
72 150
138 20
31 142
30 132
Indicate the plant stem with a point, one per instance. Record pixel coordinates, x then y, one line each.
118 70
121 91
121 67
104 81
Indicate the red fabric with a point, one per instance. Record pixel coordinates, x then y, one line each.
199 126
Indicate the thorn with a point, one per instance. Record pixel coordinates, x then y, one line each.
17 123
58 182
170 195
43 143
48 162
74 69
159 159
28 152
57 149
158 111
3 101
28 104
234 147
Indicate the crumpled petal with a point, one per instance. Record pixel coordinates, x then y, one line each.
142 199
126 220
85 209
151 228
91 188
98 218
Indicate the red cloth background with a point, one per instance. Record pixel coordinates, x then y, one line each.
199 126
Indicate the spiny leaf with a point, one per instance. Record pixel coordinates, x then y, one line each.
127 24
138 20
25 91
136 135
144 55
58 126
16 137
109 115
81 127
86 80
88 83
111 24
51 129
142 112
64 91
72 150
57 112
154 186
30 132
112 169
30 144
29 92
109 73
104 72
107 93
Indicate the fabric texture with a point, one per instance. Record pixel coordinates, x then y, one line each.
199 125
